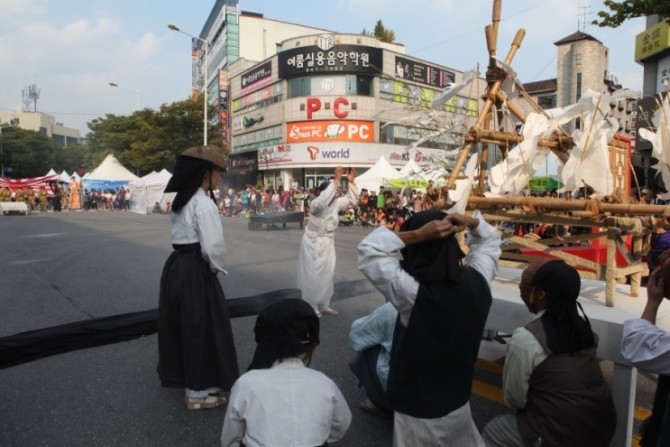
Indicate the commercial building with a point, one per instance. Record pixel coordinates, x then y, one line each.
652 50
43 123
300 101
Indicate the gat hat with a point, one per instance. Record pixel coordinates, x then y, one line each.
210 153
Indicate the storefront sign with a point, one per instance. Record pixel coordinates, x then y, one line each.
339 107
256 77
338 59
422 73
652 41
337 153
317 131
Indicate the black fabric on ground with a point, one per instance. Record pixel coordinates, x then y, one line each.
32 345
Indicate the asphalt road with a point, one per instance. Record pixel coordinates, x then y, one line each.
58 268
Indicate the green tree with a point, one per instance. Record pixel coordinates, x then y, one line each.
26 153
71 157
151 140
620 11
382 33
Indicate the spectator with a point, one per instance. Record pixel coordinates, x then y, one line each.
280 401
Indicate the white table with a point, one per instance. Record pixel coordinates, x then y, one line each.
7 207
508 312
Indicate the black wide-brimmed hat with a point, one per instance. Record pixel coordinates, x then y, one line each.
210 153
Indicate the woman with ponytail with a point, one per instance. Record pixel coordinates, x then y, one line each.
195 339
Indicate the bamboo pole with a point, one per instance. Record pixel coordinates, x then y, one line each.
610 270
568 205
490 99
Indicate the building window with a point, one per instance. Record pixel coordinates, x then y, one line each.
298 87
579 86
353 85
547 102
359 85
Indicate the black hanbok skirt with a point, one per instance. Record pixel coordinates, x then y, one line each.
195 339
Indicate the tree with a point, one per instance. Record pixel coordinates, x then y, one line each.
620 11
382 33
26 153
151 140
71 157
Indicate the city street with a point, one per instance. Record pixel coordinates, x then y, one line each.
59 268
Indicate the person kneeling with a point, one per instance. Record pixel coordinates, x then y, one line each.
551 376
279 400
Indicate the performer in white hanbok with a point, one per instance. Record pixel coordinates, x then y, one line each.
316 260
280 401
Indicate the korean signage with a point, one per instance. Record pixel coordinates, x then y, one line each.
223 107
316 131
653 40
663 74
421 73
338 59
256 77
196 85
337 153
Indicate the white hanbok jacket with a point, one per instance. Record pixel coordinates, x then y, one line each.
286 405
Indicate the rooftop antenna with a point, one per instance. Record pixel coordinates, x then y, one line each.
31 93
583 16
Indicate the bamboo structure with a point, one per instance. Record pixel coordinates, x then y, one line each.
610 223
613 222
495 75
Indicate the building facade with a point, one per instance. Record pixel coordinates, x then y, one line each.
326 100
582 64
42 123
294 101
652 50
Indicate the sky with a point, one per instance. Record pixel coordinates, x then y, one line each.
72 49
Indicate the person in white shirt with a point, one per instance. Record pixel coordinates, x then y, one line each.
647 347
552 377
280 401
316 259
195 339
434 352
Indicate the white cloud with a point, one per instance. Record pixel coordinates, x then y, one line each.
16 8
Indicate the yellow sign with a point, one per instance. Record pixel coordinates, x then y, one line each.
653 40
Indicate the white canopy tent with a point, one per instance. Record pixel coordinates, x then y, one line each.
146 191
379 174
110 174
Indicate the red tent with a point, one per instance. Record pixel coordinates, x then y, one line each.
33 183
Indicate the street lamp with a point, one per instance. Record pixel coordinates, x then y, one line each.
174 27
137 92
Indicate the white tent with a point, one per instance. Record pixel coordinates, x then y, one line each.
110 174
64 177
146 191
377 175
51 173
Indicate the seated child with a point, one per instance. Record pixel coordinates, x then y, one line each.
280 400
